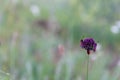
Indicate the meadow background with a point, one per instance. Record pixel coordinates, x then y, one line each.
39 39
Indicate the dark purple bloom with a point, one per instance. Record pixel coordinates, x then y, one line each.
88 44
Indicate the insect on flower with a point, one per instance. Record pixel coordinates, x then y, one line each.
88 44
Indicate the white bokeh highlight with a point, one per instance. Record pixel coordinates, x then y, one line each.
115 29
35 10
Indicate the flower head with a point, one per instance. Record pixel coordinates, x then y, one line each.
88 44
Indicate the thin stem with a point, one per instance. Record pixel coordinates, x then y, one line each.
87 68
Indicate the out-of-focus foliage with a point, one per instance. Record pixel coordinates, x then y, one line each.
39 39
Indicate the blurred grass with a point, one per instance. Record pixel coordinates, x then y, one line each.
31 51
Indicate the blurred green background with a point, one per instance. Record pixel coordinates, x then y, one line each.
39 39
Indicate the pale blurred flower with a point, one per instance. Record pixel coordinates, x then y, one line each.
118 23
98 46
59 52
115 29
93 57
118 63
35 10
61 49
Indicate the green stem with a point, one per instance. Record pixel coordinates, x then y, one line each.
87 68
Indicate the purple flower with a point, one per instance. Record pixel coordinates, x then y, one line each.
88 44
